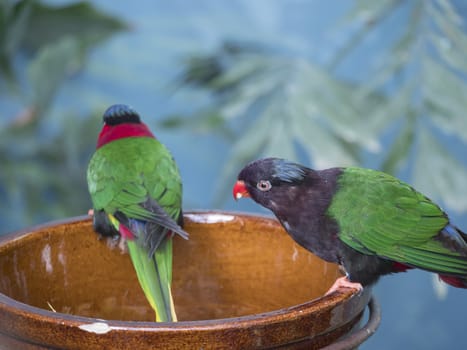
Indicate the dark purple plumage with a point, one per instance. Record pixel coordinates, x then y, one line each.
300 198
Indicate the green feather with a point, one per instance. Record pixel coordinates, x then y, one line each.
381 215
155 279
122 176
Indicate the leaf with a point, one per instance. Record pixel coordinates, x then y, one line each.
32 25
44 179
445 117
333 101
13 26
400 149
14 19
246 68
327 150
449 12
245 149
49 24
204 121
445 99
279 132
367 10
451 42
438 174
252 86
449 52
200 71
388 109
449 27
52 65
370 13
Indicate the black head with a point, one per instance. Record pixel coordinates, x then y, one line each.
265 179
119 114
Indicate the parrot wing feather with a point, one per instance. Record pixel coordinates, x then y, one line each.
158 223
378 214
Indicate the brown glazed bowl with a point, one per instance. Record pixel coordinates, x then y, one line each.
239 282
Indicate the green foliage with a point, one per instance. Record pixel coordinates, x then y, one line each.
13 26
274 104
41 175
42 168
29 26
80 20
64 56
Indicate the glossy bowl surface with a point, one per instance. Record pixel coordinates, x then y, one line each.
239 282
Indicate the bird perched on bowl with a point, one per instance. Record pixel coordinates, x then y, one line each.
136 192
368 222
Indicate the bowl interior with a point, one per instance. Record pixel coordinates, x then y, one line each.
232 265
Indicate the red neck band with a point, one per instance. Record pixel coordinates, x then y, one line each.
111 133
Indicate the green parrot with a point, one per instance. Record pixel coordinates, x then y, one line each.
136 192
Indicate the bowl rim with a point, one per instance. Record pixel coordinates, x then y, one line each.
20 309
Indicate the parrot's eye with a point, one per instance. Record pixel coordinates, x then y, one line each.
263 185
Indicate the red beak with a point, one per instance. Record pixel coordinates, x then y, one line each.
239 190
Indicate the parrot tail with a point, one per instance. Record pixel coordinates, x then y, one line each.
155 278
154 271
456 240
453 239
455 281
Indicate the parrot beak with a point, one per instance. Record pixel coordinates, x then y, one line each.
239 190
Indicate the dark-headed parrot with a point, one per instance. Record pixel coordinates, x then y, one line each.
136 192
367 221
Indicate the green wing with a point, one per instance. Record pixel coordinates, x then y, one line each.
139 178
123 174
380 215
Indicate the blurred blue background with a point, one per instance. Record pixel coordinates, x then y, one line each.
379 84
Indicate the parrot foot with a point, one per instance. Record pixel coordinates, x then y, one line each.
91 212
115 242
122 245
343 282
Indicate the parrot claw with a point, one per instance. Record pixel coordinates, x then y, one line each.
114 242
343 282
91 212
